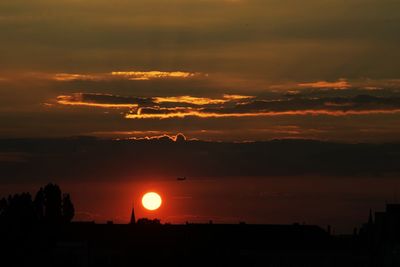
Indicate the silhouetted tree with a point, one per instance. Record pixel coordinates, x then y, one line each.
38 203
48 206
17 210
68 210
52 203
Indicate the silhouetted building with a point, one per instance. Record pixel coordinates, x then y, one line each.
27 241
152 244
381 237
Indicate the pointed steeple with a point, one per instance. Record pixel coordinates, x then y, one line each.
133 219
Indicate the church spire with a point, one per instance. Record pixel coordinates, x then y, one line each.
133 219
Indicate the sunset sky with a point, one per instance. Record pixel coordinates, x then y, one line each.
223 70
226 72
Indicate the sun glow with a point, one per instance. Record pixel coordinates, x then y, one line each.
151 201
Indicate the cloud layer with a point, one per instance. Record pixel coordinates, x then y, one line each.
115 75
236 106
203 107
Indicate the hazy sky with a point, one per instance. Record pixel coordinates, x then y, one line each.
230 70
254 69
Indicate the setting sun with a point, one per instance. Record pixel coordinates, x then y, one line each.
151 201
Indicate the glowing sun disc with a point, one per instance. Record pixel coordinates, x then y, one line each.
151 201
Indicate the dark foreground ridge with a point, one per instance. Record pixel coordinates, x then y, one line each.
39 232
90 244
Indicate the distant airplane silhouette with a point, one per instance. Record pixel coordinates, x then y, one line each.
181 178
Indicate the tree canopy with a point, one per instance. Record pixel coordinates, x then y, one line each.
49 206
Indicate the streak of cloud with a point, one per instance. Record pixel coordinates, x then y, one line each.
200 114
235 106
200 100
148 75
341 84
99 100
114 76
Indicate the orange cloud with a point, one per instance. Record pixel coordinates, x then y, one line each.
108 100
200 100
136 133
143 135
175 138
68 77
237 97
148 75
189 100
232 106
340 84
201 114
78 100
114 75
